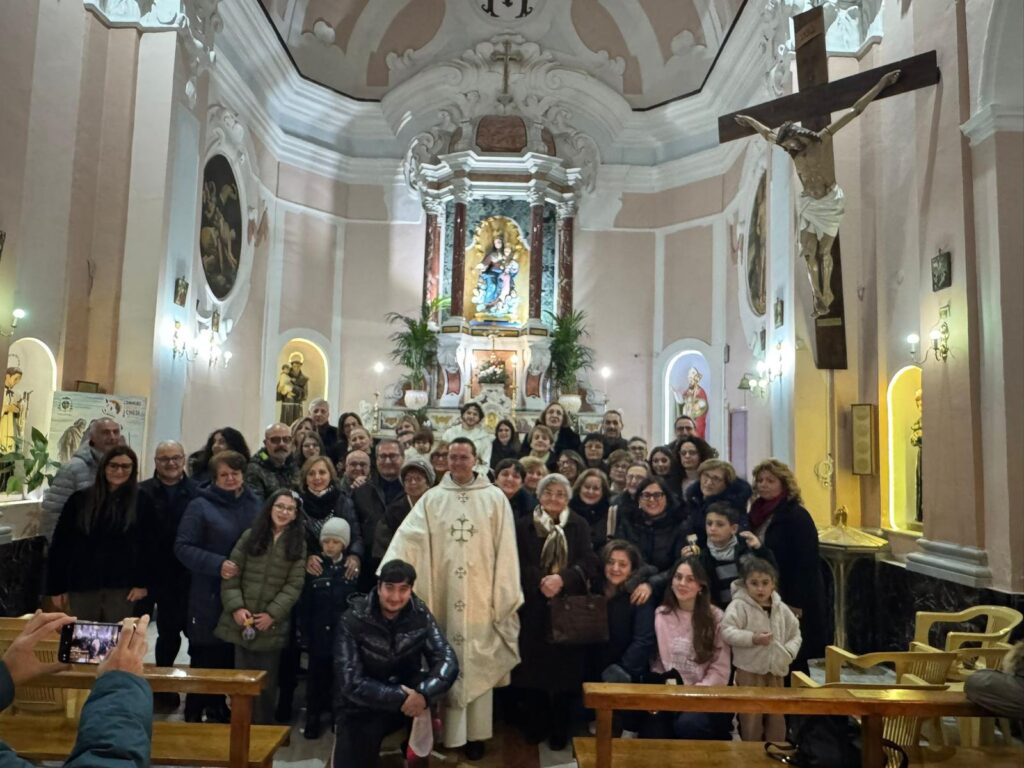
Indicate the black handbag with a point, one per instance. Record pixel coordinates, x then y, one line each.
825 741
578 619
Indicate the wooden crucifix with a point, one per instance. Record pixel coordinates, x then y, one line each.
810 146
505 57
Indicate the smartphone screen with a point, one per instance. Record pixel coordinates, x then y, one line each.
87 642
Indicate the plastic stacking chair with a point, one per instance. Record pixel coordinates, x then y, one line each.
999 623
31 699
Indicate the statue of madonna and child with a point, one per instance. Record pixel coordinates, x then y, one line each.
495 294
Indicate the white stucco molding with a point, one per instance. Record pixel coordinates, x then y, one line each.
951 562
196 21
992 119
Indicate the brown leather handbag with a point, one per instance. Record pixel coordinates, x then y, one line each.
578 619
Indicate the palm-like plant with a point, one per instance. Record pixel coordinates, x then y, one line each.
568 355
416 344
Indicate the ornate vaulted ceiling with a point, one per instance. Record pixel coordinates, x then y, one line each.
649 51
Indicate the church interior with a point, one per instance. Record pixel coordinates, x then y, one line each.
215 212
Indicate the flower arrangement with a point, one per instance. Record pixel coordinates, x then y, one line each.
493 373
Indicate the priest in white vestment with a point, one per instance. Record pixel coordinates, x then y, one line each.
460 538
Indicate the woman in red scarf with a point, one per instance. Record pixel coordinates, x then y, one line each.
779 520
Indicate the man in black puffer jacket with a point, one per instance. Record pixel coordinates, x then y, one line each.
391 662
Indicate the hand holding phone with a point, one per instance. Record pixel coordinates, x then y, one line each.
87 642
20 658
130 650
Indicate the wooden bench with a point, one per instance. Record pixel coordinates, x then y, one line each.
870 705
238 745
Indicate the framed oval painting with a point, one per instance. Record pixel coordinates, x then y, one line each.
757 250
220 232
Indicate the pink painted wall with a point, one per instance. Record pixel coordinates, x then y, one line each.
308 280
688 284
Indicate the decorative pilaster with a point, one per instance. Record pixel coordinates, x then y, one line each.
458 257
432 250
566 221
536 250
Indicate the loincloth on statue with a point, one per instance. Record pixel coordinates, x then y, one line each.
822 215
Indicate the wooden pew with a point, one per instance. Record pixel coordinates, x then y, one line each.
238 745
870 705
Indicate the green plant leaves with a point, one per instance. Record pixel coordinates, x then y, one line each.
568 355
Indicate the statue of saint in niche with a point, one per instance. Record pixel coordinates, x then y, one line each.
495 295
916 435
292 384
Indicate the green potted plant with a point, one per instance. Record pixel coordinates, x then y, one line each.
415 348
28 466
569 356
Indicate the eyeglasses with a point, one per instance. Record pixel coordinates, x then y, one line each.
279 440
285 508
169 459
712 478
652 496
556 493
120 467
389 456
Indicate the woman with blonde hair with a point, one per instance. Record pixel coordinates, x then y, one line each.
536 470
779 520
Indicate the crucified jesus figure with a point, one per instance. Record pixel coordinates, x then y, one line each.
821 200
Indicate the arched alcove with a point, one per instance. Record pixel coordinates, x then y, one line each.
688 387
903 456
38 381
313 364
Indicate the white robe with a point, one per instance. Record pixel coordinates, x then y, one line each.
482 439
462 542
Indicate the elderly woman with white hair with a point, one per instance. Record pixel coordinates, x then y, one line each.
556 557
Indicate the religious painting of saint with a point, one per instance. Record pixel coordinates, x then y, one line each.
220 243
757 249
497 266
689 379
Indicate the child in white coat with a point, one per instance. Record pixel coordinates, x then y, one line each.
765 638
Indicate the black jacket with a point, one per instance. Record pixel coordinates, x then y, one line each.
660 541
108 557
631 638
523 503
566 440
736 494
793 539
324 599
499 452
612 444
328 434
596 516
374 657
160 508
371 502
395 513
722 573
319 509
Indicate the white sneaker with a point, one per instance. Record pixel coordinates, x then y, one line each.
630 734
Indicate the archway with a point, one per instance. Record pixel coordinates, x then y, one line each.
904 449
296 388
36 385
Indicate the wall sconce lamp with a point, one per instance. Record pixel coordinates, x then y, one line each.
939 338
16 315
182 345
755 385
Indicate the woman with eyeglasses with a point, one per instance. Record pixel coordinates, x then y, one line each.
716 481
656 531
555 557
95 570
258 598
209 529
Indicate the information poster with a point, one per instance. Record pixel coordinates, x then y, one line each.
74 411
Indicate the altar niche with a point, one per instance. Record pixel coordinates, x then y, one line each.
903 465
497 275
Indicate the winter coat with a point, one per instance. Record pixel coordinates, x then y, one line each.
673 630
319 509
371 501
374 658
115 729
1000 690
501 452
631 639
567 439
108 557
394 514
523 503
596 516
722 573
159 509
324 599
265 477
793 538
695 506
744 618
546 666
267 583
77 474
209 529
612 444
328 434
660 541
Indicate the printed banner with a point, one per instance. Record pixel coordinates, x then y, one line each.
74 411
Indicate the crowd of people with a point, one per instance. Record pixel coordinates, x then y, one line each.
417 572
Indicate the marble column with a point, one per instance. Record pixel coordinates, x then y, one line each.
458 258
536 253
432 250
566 221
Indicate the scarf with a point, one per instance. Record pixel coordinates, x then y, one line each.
554 555
726 553
762 509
